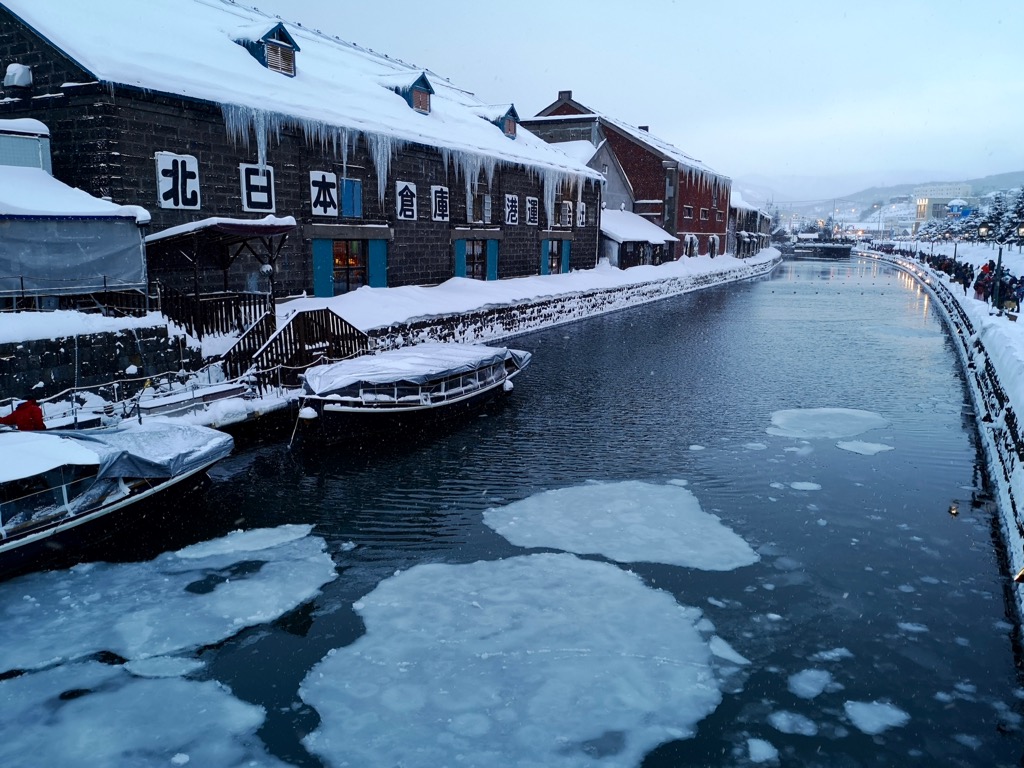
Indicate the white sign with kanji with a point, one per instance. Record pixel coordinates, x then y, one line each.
323 193
532 211
177 181
405 200
581 214
257 188
512 209
440 210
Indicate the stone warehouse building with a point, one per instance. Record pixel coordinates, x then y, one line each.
650 176
204 108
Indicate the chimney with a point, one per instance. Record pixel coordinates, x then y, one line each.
645 128
564 95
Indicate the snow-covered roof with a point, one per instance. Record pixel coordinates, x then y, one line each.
958 203
34 192
189 48
24 125
582 150
628 227
271 224
736 201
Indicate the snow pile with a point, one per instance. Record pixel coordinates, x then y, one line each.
532 660
628 522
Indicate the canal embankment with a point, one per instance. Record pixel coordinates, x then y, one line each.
990 345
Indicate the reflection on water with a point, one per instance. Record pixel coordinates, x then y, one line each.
858 552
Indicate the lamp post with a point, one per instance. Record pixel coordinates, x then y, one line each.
1020 237
999 280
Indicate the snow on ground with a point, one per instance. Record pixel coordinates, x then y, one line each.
478 664
93 714
197 596
628 522
811 423
873 717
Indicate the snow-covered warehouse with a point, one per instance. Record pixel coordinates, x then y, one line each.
205 108
56 240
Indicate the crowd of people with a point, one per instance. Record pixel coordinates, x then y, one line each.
1002 290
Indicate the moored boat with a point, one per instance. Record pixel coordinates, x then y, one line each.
56 485
405 387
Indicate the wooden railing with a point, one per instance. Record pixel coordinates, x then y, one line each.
213 313
278 357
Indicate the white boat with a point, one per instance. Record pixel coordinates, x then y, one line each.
406 387
54 482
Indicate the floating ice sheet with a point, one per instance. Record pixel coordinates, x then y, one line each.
865 449
629 522
873 717
93 714
532 660
809 683
835 423
198 596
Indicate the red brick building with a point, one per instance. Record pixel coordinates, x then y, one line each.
660 182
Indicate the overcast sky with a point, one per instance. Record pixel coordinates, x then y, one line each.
855 94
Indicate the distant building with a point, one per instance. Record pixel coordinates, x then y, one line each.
650 176
933 200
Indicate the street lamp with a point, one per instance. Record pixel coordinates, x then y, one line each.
983 231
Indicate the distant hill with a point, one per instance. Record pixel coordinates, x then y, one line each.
979 187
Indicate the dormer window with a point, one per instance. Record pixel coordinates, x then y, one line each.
414 87
504 116
421 100
271 46
509 127
281 58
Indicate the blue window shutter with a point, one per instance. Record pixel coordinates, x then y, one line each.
492 259
566 247
352 198
378 264
544 257
460 258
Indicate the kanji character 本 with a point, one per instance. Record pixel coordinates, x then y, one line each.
511 209
323 193
405 200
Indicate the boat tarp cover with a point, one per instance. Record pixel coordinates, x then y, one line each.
153 449
26 454
418 364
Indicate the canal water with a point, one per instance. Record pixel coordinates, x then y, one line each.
819 583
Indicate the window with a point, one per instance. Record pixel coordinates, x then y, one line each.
703 214
565 219
687 211
476 259
281 59
421 100
718 216
554 257
349 265
480 205
352 198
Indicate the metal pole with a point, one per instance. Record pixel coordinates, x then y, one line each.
999 271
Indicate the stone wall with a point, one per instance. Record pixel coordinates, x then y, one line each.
45 367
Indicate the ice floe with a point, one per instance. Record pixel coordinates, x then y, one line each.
864 449
628 522
805 486
197 596
91 714
761 751
531 660
809 683
834 423
873 717
793 723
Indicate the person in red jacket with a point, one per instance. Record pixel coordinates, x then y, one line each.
28 416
